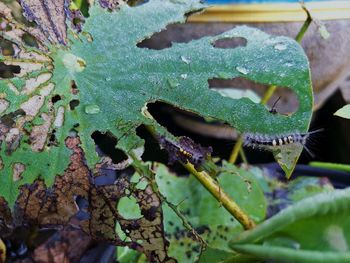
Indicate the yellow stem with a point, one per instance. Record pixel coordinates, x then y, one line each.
268 94
230 205
235 150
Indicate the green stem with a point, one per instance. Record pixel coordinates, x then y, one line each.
332 166
305 26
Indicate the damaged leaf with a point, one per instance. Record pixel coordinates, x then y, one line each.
96 205
110 79
68 85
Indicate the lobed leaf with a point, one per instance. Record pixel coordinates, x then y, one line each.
102 81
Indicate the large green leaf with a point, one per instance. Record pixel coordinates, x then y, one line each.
315 229
115 80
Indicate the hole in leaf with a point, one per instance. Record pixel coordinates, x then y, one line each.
184 123
181 33
106 145
107 177
83 206
52 139
8 71
74 88
233 42
9 119
55 98
29 40
284 100
73 104
152 149
6 47
136 2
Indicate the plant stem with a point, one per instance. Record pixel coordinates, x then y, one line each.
230 205
211 185
243 156
305 26
236 150
268 94
332 166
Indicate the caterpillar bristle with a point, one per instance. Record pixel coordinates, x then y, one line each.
263 141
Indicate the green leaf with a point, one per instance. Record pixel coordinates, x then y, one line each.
343 112
289 255
128 208
111 80
303 187
205 214
316 228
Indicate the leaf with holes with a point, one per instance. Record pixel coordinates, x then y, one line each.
100 80
315 229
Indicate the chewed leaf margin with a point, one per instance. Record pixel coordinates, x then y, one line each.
113 80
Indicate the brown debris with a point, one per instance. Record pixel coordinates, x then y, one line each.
50 16
6 220
56 206
65 246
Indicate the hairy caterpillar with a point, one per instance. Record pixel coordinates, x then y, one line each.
269 142
185 150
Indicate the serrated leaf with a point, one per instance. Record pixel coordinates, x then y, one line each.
315 229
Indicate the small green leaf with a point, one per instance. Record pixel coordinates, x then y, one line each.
343 112
324 32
